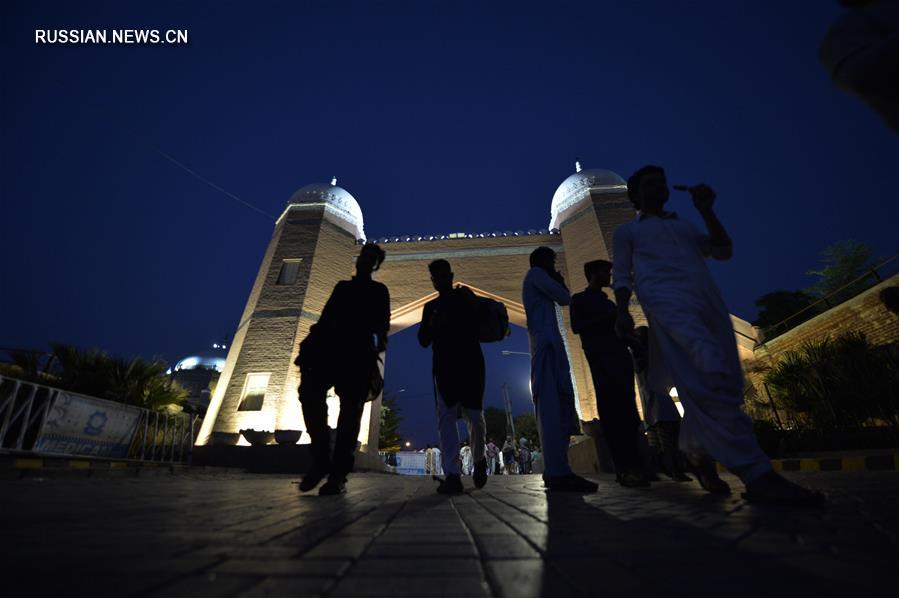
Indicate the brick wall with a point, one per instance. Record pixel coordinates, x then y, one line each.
863 313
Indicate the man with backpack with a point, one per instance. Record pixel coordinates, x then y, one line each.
451 325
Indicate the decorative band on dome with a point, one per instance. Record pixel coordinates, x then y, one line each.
337 201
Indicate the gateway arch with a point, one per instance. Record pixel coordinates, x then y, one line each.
313 246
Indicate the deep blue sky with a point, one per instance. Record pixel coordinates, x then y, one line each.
436 116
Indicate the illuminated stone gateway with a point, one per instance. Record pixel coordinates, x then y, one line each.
313 247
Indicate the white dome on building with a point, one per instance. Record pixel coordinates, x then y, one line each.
337 201
202 362
578 186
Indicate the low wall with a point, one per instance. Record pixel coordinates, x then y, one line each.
863 313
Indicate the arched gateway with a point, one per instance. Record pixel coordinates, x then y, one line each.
313 247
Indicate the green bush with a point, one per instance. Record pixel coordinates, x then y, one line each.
837 384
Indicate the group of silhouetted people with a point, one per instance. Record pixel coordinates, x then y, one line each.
511 459
689 345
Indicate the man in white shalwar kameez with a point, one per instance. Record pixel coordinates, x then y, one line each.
553 393
467 461
663 259
437 465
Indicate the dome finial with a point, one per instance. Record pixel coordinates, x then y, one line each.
577 166
334 181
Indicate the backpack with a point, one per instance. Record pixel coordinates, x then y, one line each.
494 320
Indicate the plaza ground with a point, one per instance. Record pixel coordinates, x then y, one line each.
202 533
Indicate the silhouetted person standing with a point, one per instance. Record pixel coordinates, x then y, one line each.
510 463
451 323
663 259
593 319
492 451
659 413
544 289
341 351
524 456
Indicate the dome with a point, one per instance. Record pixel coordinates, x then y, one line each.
337 201
577 187
201 362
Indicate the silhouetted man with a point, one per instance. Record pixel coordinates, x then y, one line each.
663 259
342 350
553 393
451 323
593 319
510 463
524 456
659 413
492 451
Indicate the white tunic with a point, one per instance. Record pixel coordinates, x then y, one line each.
663 260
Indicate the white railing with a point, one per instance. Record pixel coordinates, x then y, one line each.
31 413
23 408
164 437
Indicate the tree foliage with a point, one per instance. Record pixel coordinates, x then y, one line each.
843 262
495 419
526 425
389 437
134 381
92 372
777 306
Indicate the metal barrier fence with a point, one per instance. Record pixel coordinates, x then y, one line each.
28 410
164 437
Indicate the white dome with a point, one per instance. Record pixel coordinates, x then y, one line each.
204 362
337 201
578 186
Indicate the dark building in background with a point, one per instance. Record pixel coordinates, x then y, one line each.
198 375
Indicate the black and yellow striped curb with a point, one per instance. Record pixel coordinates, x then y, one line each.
848 464
857 463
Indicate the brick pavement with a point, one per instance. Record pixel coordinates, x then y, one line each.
212 534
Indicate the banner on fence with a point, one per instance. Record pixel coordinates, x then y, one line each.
79 425
409 463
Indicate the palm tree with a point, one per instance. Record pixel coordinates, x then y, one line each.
133 381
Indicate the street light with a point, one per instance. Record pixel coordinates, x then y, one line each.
508 405
408 444
510 422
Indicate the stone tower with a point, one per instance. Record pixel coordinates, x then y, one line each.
586 209
313 246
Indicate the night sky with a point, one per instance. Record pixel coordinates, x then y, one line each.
438 117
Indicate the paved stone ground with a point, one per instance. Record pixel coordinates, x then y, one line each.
207 534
